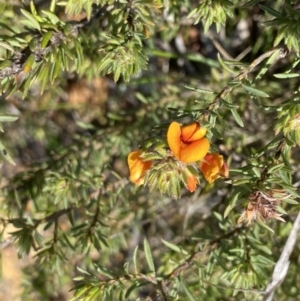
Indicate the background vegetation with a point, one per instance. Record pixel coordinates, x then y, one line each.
86 82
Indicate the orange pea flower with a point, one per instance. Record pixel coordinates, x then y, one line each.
187 143
137 167
214 167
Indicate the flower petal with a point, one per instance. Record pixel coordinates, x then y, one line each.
194 151
211 167
137 167
174 138
191 183
224 171
192 132
133 157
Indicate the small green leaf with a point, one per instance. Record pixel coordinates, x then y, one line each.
94 293
83 271
286 75
188 293
234 84
174 247
135 259
88 9
255 91
78 278
38 238
250 3
233 201
198 90
5 154
43 77
266 65
6 46
7 28
52 6
28 64
141 98
33 9
256 171
117 75
262 223
51 16
237 117
104 64
32 21
229 104
47 36
8 118
148 255
134 286
225 66
104 271
79 292
291 201
276 168
270 10
4 64
56 67
26 84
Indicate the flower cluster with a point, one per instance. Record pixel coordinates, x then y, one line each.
189 153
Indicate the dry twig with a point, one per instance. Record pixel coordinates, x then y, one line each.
282 264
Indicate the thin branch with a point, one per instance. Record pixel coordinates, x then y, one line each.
243 53
282 265
51 217
279 149
212 245
242 75
96 215
219 47
54 216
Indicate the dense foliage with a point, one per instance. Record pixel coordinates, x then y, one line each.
90 86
